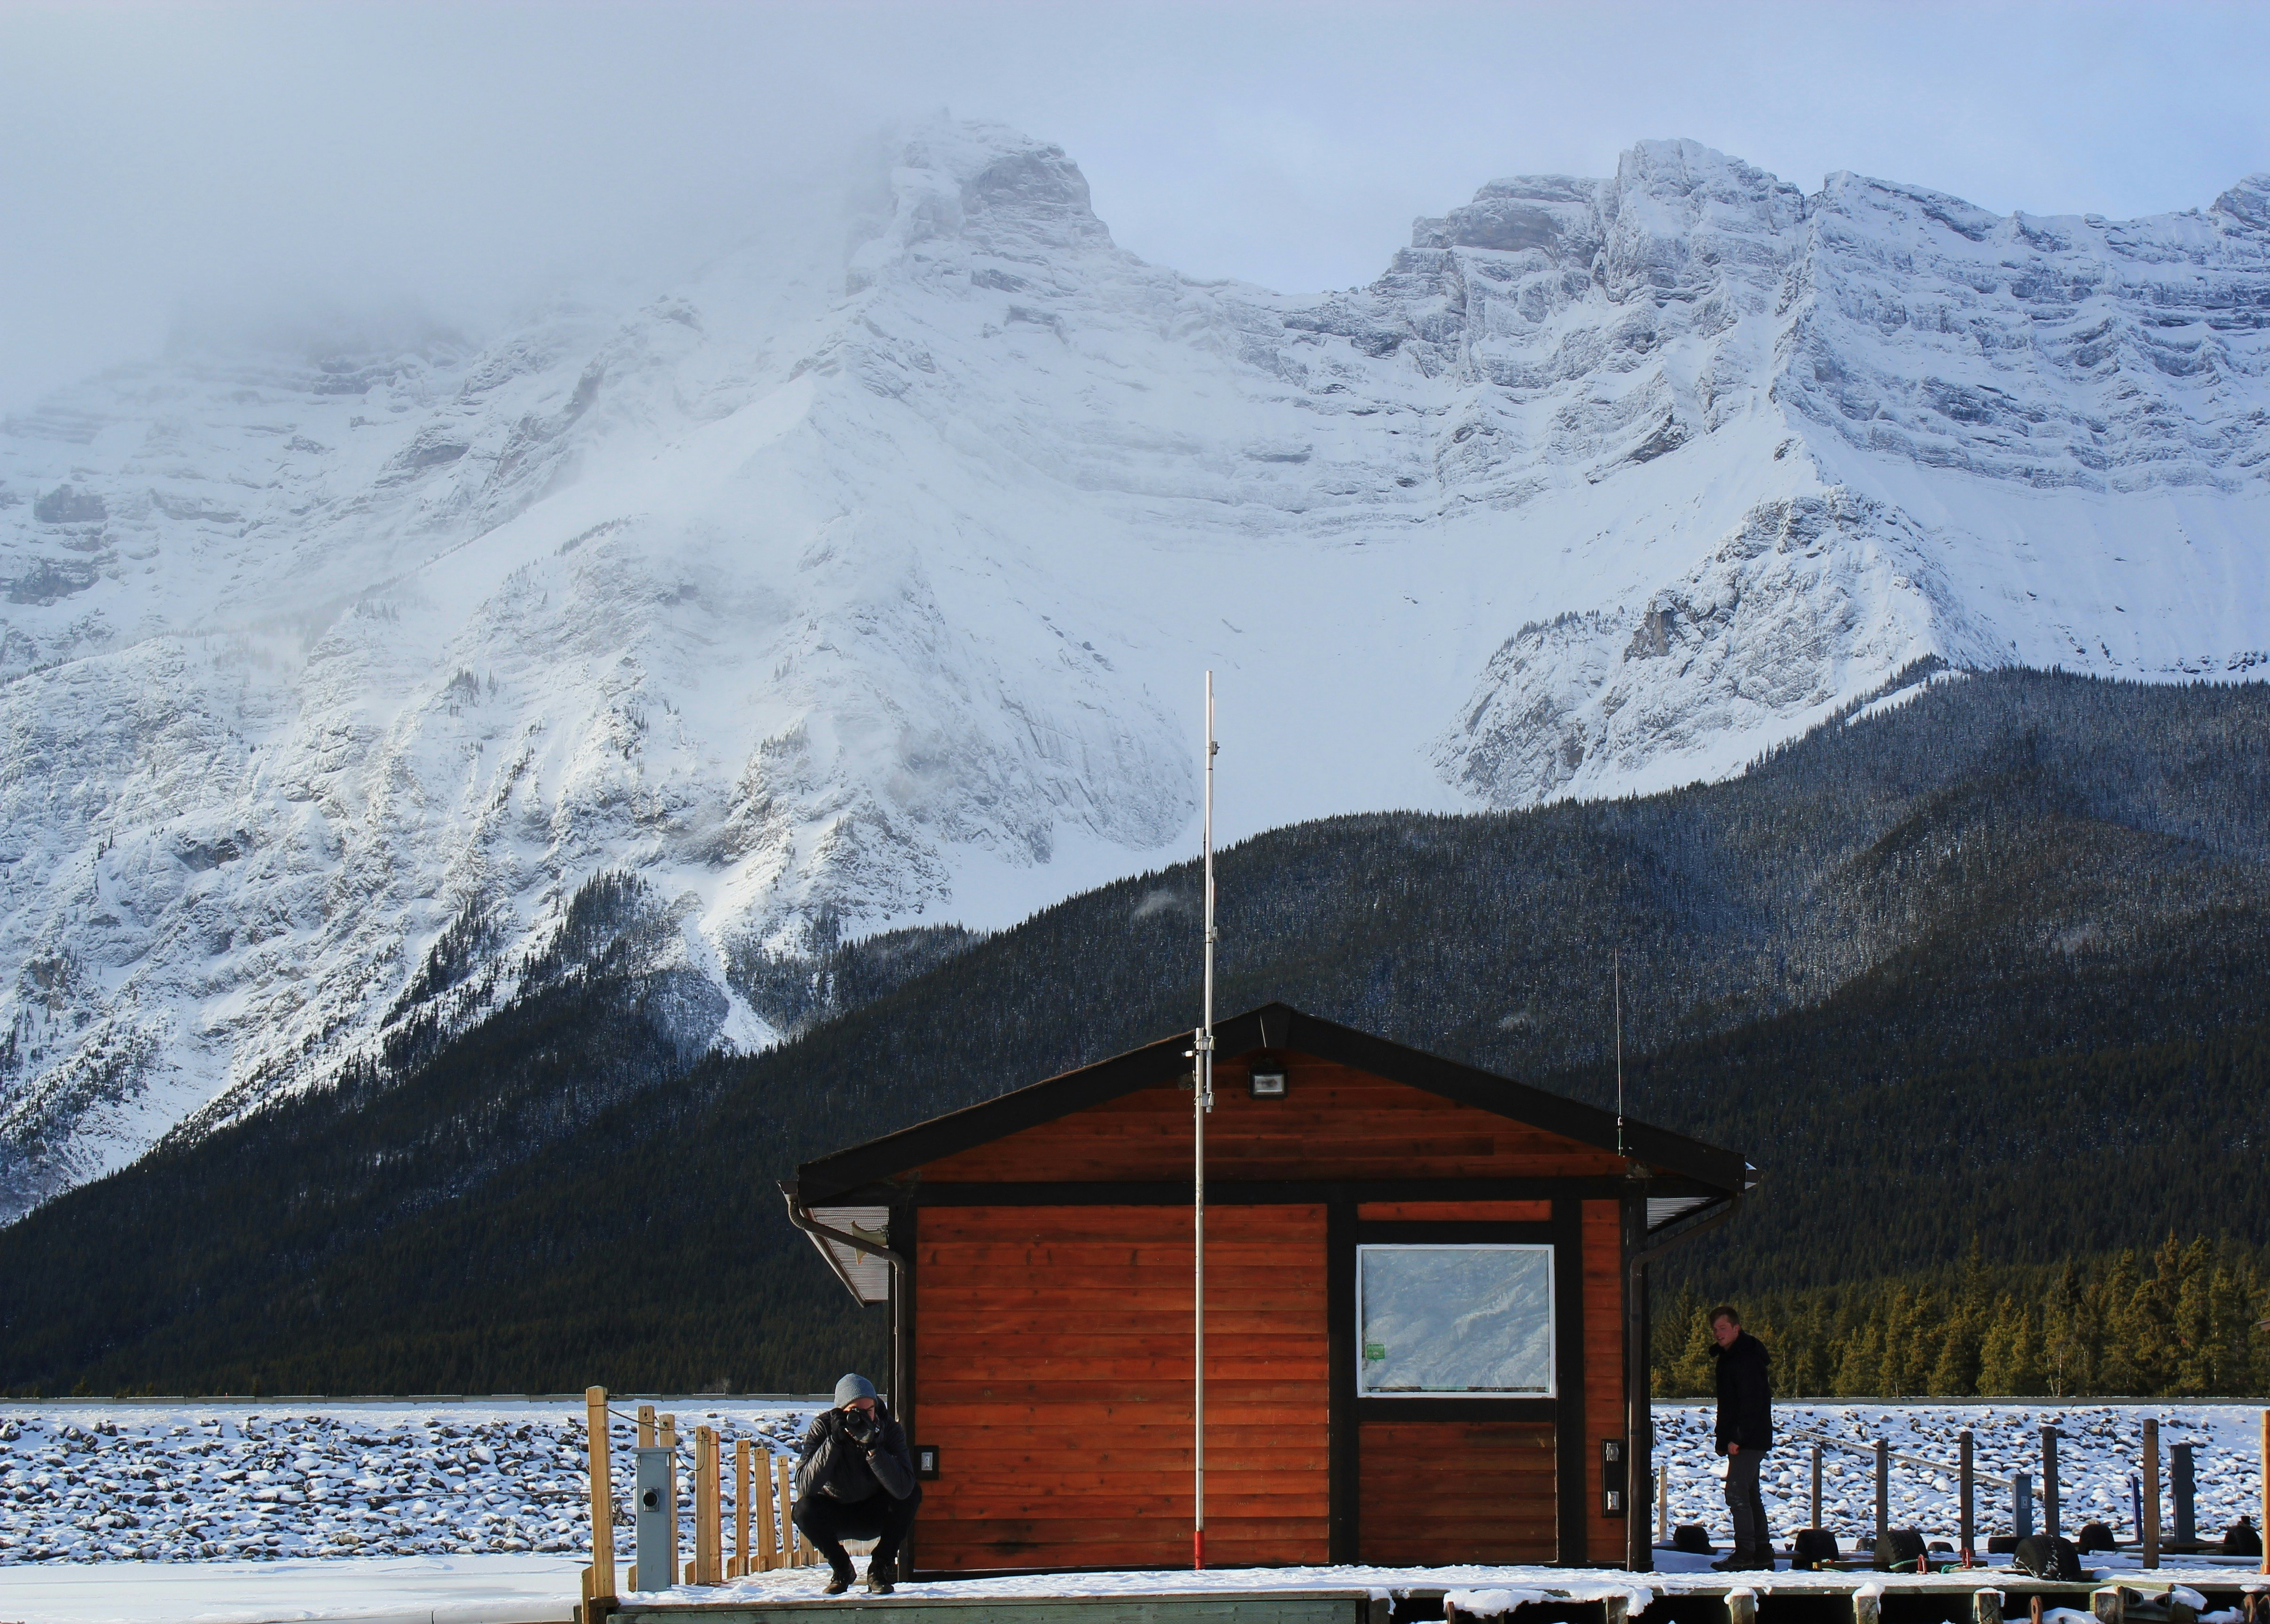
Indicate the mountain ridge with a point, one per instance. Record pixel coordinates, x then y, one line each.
835 592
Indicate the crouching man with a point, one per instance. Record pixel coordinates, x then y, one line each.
856 1480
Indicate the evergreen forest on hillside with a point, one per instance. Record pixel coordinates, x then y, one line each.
1977 982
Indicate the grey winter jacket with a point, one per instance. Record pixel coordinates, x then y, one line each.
835 1464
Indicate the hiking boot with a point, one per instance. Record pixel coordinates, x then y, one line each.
839 1580
879 1577
1736 1560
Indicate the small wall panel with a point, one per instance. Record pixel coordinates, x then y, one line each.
1603 1372
1053 1351
1433 1493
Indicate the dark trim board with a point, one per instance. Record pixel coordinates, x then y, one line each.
1259 1192
1271 1027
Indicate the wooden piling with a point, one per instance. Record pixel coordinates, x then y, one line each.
646 1426
603 1496
2050 1482
666 1437
2263 1522
1741 1607
2149 1530
1815 1523
1662 1504
1868 1604
786 1490
1967 1505
767 1550
2109 1605
1986 1607
708 1508
1883 1490
740 1568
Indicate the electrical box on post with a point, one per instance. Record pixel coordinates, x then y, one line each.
654 1501
1615 1477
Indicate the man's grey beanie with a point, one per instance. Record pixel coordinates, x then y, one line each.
853 1387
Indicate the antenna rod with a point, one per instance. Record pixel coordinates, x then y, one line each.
1616 968
1201 1102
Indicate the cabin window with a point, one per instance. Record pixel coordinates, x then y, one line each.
1454 1321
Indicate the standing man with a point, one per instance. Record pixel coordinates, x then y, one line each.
856 1479
1745 1434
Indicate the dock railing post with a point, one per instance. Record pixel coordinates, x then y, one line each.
1662 1503
2021 1504
740 1568
2264 1523
603 1496
1815 1523
760 1495
1967 1503
709 1506
2149 1530
2183 1483
666 1437
2050 1483
1883 1490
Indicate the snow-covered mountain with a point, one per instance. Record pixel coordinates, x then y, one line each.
846 587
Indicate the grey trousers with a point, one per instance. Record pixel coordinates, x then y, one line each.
1746 1502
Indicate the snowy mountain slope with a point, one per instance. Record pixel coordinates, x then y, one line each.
841 588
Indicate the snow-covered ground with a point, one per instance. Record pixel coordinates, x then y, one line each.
2101 1445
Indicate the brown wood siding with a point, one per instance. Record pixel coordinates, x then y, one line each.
1455 1211
1053 1356
1602 1248
1443 1491
1334 1122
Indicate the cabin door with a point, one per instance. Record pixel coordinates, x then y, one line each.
1466 1355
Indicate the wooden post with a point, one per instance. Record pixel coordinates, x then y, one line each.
2050 1482
2109 1605
1868 1604
1883 1490
603 1496
2149 1532
1741 1607
2263 1522
646 1426
740 1568
666 1437
786 1485
1815 1523
1966 1504
768 1552
1662 1504
708 1508
1986 1607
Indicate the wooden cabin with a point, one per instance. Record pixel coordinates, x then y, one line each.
1426 1322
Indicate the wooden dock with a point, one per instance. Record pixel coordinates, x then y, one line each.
1975 1596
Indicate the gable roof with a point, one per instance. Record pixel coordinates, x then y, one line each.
1271 1027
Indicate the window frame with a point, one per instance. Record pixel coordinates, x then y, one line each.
1549 1394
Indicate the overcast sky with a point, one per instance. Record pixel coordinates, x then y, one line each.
161 156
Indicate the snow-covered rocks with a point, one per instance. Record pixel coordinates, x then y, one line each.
839 587
206 1482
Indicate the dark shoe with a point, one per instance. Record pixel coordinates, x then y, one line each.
1761 1559
1736 1560
838 1581
879 1577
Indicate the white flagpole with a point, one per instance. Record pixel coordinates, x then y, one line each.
1202 1101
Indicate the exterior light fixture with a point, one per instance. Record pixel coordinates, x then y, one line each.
1268 1079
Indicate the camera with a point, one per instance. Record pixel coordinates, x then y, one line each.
859 1425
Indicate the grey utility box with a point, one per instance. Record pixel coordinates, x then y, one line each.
656 1502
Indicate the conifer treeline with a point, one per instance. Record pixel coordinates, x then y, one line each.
2184 1322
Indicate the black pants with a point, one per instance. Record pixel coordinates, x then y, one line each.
1746 1502
828 1523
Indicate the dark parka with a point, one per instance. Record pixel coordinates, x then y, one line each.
838 1465
1745 1394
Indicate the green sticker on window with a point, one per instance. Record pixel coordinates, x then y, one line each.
1374 1353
